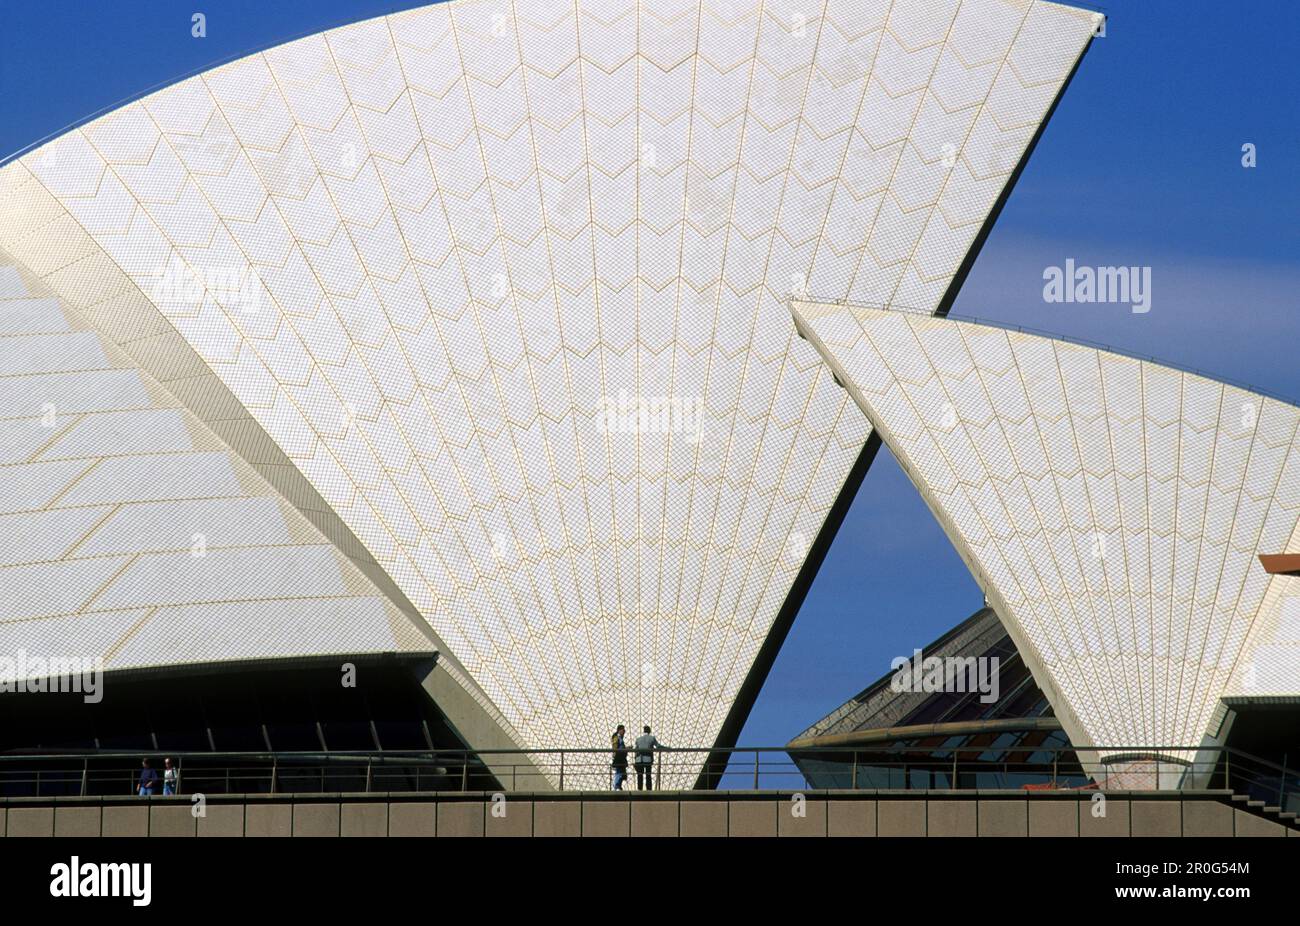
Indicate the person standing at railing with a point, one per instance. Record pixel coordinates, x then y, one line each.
646 744
148 780
619 763
169 777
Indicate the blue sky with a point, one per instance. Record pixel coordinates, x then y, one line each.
1140 166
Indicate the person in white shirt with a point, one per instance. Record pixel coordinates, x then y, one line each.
646 744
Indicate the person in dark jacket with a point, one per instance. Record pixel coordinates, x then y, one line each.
619 763
148 779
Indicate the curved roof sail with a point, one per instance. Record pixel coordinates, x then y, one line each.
1112 509
134 535
504 286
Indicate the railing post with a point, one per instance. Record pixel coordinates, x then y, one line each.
1056 757
464 772
1227 776
953 785
561 769
85 773
755 769
275 767
855 770
370 775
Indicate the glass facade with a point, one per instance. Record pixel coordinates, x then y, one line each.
982 746
296 727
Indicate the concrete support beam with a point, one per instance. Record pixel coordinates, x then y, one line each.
655 818
703 818
1055 817
901 818
752 818
462 818
268 819
369 819
805 817
125 820
478 728
850 818
1104 819
222 820
739 813
557 818
509 818
1157 818
606 818
1004 818
172 819
412 818
316 819
952 818
77 821
1203 818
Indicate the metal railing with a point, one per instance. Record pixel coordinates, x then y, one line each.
989 766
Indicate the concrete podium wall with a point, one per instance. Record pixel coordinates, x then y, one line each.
716 814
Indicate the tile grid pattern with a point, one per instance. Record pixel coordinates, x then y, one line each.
134 535
1113 507
428 248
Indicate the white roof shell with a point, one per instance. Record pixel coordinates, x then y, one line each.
132 534
424 255
1112 509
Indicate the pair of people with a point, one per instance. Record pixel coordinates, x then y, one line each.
149 778
645 747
